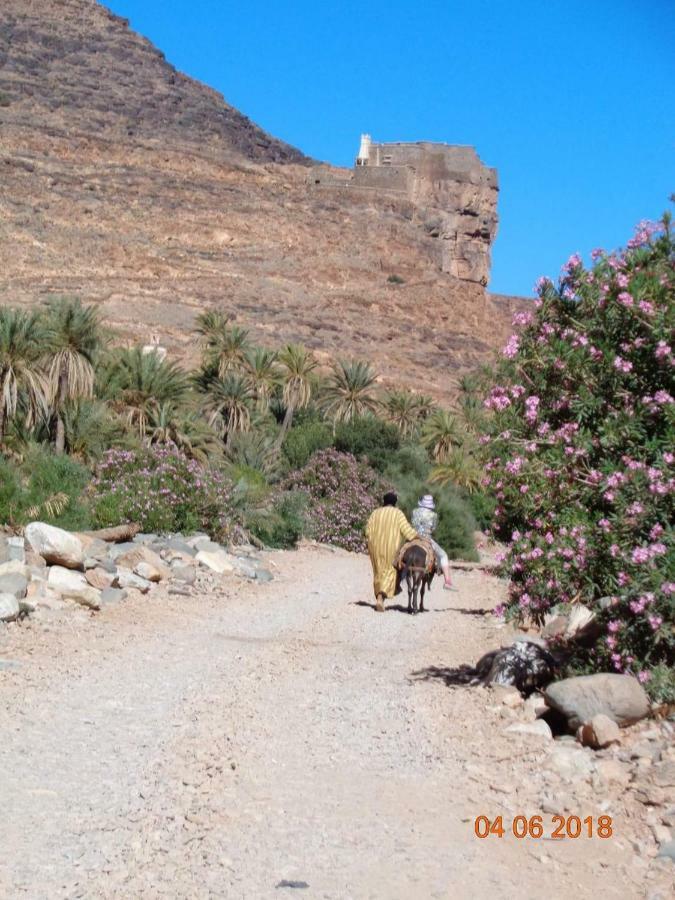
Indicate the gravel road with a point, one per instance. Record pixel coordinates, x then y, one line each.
270 741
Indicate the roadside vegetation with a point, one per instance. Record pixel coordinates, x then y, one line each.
256 439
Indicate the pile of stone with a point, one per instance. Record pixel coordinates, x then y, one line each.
605 747
49 568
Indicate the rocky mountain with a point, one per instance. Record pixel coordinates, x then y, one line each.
135 187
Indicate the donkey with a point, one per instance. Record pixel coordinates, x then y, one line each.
418 576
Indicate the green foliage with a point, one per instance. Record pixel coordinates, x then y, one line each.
581 453
163 490
305 439
368 438
395 279
282 523
44 486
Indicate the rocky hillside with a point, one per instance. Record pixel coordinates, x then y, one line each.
137 188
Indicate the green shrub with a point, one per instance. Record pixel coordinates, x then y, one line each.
283 523
482 506
303 440
581 453
44 487
370 439
395 279
162 490
341 493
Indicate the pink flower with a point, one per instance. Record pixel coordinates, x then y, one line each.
646 307
623 365
640 555
512 347
622 280
625 299
662 350
644 676
572 263
524 489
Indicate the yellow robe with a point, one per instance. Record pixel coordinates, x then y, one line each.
386 531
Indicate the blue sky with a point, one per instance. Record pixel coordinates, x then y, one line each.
573 102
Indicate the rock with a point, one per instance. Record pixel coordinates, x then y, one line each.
535 706
246 568
600 732
645 750
649 795
9 608
668 818
206 544
13 567
128 579
611 770
34 560
539 728
148 571
99 578
507 694
73 586
264 575
117 550
141 538
4 549
131 559
194 539
180 546
216 560
179 589
112 595
554 626
185 574
57 546
620 697
571 763
664 774
524 665
17 548
14 583
667 850
661 834
42 596
578 621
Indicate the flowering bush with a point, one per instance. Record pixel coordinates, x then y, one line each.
162 490
342 493
581 451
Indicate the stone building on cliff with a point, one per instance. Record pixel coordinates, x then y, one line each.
453 194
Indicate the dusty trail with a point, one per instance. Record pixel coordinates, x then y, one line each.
217 746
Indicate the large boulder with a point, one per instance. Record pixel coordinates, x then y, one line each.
216 560
9 608
128 579
57 546
73 586
620 697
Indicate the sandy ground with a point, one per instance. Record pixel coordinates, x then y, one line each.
221 745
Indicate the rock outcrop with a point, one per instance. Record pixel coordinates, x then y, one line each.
138 189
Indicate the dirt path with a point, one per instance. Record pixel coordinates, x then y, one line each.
216 746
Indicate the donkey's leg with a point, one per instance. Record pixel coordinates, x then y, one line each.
416 586
409 583
423 589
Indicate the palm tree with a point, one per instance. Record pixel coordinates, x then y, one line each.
21 381
425 406
89 429
440 433
225 346
461 467
73 339
297 367
168 423
263 375
348 393
228 404
401 409
254 450
137 384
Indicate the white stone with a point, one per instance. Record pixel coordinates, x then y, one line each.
127 579
13 567
57 546
73 586
9 608
148 571
216 560
539 728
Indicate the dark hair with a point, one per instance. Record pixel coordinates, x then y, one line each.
389 499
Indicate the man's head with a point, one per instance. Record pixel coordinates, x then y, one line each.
389 499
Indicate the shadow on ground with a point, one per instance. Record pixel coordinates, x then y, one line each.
459 675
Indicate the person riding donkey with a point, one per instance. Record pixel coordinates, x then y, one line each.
424 521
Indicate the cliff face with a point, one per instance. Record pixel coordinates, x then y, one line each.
139 189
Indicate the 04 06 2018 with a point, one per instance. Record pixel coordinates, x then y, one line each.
557 827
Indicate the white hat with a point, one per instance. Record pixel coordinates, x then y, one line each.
427 502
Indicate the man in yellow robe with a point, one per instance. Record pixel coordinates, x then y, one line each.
386 531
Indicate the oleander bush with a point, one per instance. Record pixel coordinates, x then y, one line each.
581 447
341 493
163 490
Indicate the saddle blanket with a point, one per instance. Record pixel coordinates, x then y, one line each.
425 545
